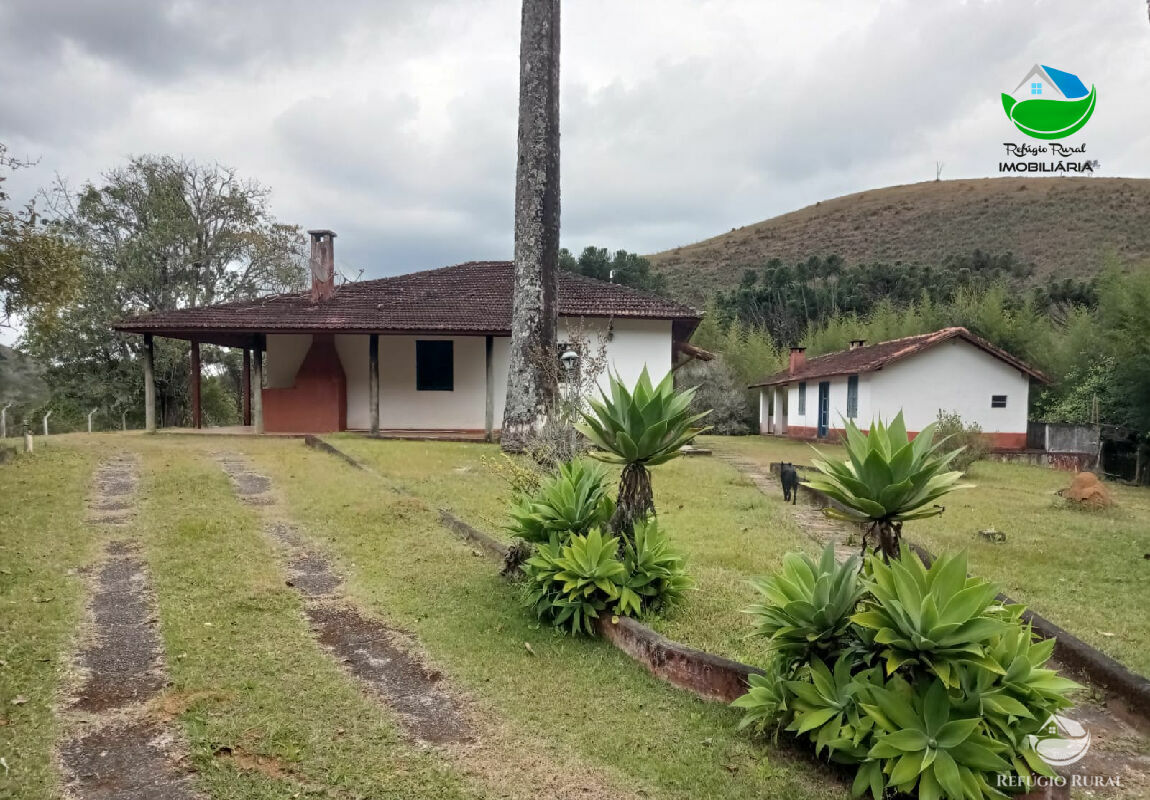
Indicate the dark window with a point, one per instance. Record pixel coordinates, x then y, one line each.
435 366
998 401
852 396
802 400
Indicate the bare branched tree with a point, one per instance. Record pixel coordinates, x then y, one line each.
530 387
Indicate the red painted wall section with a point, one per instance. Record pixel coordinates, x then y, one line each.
317 401
999 442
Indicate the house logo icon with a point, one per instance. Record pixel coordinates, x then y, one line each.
1049 103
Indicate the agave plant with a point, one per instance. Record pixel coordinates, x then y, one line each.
657 575
639 429
807 607
569 584
1016 701
574 500
921 745
825 709
935 618
887 479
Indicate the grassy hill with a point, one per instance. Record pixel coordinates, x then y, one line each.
1064 227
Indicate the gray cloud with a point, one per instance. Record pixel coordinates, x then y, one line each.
394 122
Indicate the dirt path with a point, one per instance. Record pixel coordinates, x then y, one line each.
1119 746
389 663
114 746
816 525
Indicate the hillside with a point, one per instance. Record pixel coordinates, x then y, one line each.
1064 227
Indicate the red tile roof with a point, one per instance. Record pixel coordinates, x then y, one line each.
876 356
471 298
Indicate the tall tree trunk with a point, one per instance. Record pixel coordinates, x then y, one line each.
531 384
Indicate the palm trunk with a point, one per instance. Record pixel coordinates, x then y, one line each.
531 385
636 501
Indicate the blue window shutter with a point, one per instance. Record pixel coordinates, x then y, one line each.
852 396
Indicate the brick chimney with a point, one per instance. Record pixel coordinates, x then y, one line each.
857 343
322 264
798 359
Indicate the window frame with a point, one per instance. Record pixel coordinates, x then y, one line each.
852 396
423 351
994 400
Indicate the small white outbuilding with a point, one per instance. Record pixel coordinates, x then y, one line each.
950 370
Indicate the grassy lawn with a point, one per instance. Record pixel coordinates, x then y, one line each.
725 526
1085 571
583 696
247 677
42 545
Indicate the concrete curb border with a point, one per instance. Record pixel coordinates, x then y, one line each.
1074 654
708 676
316 443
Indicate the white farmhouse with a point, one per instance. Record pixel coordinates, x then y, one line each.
949 370
422 353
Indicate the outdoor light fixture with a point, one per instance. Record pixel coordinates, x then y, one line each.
569 358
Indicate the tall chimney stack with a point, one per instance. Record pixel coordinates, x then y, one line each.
798 359
322 264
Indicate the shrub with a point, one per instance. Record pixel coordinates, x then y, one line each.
931 689
718 389
573 500
570 585
965 440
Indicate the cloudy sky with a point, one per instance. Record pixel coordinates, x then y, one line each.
393 121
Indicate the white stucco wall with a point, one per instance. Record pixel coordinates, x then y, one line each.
953 376
838 404
285 352
635 343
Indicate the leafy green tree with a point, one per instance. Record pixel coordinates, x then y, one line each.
39 268
628 269
159 233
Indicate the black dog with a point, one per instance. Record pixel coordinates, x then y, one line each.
790 479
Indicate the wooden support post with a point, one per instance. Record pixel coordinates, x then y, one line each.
489 414
197 408
149 385
246 388
258 386
373 381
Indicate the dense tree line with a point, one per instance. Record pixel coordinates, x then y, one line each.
621 267
787 299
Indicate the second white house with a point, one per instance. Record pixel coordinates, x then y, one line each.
950 370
